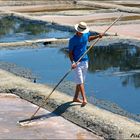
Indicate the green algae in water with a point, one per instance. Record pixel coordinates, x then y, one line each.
14 29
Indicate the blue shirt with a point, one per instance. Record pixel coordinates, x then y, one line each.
78 45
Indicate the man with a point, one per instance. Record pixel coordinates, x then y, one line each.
77 47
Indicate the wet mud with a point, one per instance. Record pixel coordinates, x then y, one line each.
19 71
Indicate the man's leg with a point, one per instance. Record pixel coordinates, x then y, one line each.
82 90
80 73
77 91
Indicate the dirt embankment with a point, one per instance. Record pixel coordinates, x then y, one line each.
99 121
110 5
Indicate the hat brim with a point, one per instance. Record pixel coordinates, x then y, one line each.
81 30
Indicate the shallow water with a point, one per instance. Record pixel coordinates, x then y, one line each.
14 29
113 75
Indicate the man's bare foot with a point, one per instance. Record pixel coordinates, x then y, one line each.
84 103
77 100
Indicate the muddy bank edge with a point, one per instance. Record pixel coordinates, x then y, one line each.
99 121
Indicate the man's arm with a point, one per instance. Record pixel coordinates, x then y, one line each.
95 37
71 56
72 60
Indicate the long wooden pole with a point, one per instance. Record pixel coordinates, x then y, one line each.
92 45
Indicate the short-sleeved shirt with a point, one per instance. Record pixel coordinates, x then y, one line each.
78 45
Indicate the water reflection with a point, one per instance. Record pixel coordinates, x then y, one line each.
6 25
15 29
121 56
117 59
10 25
132 79
120 59
111 83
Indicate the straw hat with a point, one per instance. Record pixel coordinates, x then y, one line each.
82 27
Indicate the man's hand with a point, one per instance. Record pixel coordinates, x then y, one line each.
100 35
95 37
74 65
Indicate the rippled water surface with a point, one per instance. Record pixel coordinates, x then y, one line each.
114 70
113 75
